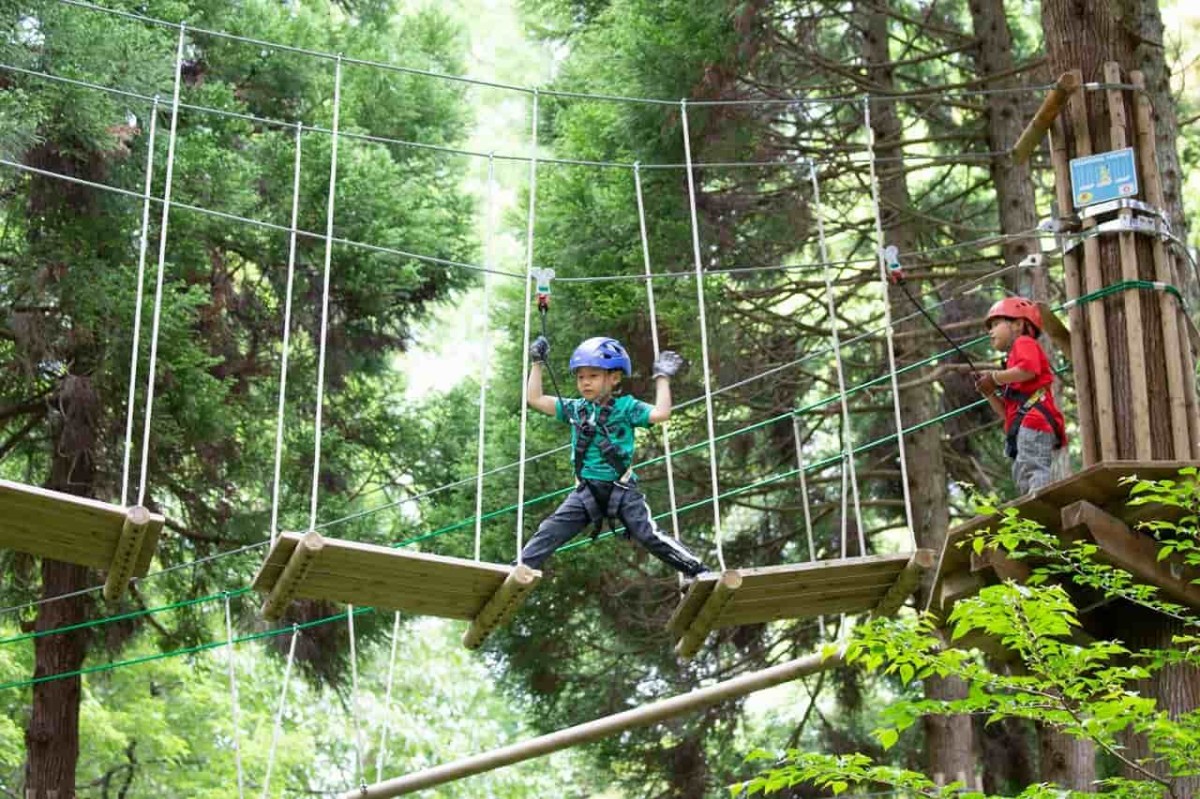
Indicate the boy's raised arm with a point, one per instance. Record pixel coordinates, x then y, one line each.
666 366
538 399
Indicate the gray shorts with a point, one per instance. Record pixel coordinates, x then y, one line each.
1038 460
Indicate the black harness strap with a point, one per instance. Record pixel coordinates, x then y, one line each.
588 432
1029 402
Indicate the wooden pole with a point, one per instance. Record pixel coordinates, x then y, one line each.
503 604
689 644
1093 280
1127 249
602 727
906 582
1185 419
298 564
1080 360
1147 151
1037 128
125 555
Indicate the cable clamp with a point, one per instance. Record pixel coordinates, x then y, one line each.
1119 204
1145 225
542 277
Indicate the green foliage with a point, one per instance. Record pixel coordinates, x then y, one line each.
1085 688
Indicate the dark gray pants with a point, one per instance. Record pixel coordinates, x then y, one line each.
625 503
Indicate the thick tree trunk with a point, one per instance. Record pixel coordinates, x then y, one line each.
1006 756
52 737
1084 34
949 739
1066 761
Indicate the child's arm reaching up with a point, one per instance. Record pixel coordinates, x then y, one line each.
537 399
666 365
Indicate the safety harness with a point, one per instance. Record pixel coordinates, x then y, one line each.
1029 402
587 432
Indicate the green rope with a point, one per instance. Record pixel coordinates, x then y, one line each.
1098 294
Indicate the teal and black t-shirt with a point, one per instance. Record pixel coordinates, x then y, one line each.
627 413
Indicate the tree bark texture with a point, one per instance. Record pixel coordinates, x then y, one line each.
52 736
1176 688
1124 332
1005 122
949 739
1066 761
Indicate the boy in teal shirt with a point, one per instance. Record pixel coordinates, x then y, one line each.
602 426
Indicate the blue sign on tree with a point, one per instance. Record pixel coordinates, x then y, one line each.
1103 177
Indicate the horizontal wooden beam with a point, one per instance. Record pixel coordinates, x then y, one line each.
1132 551
125 556
600 728
1039 126
503 604
689 644
298 564
906 582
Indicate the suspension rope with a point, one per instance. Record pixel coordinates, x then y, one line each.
529 225
808 529
143 239
287 338
387 701
951 159
666 435
233 695
887 316
708 403
485 351
162 266
251 637
835 337
333 155
352 718
932 93
277 731
982 242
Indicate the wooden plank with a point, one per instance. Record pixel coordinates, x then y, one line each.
702 624
290 581
840 568
317 582
273 563
441 577
906 583
1127 251
1094 311
803 599
736 617
1081 365
693 600
1049 110
126 552
756 593
1133 552
502 605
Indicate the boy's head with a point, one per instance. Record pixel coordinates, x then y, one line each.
1011 318
598 365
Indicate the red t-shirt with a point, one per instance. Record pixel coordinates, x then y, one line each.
1027 354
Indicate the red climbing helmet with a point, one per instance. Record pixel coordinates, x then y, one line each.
1016 308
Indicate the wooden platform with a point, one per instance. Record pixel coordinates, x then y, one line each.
961 574
50 524
309 566
877 583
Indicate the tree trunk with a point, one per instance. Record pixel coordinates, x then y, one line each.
1066 761
1084 34
1006 761
52 737
1005 121
949 739
1176 688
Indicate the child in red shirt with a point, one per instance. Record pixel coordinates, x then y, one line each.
1020 392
